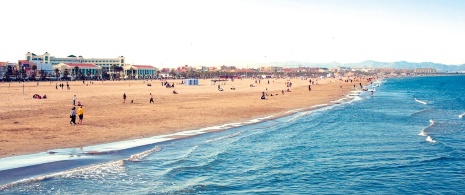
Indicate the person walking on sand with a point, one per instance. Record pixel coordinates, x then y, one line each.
151 98
74 100
80 113
72 115
124 97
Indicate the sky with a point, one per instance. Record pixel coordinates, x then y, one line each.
240 32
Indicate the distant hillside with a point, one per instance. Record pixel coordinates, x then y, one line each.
408 65
375 64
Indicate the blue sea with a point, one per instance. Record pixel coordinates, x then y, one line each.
406 138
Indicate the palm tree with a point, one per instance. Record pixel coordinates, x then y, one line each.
75 73
56 73
8 73
119 69
34 72
80 74
104 75
113 67
172 72
131 72
65 74
22 72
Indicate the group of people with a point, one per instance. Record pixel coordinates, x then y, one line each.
37 96
79 112
151 97
62 85
167 85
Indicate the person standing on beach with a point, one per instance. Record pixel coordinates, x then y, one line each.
56 86
80 113
309 87
124 97
263 96
72 115
151 98
74 100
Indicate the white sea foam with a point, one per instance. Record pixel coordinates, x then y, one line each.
420 101
429 139
92 171
299 116
224 137
259 119
142 155
319 105
461 116
295 110
423 132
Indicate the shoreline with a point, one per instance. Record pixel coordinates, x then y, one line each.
238 117
61 154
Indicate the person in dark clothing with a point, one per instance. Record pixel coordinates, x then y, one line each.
72 115
151 98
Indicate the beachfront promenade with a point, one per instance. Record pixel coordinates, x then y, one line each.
36 125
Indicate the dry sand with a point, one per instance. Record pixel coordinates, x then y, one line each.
30 125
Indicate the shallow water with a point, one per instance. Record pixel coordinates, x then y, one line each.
367 146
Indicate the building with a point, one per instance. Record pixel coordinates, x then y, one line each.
424 70
3 69
201 68
140 72
105 63
87 71
270 69
46 67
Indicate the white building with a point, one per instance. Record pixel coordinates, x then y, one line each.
201 68
105 63
140 71
47 67
424 70
74 70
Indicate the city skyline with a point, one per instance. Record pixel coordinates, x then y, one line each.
174 33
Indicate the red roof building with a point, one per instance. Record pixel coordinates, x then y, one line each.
139 72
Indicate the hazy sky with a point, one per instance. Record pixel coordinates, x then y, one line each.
171 33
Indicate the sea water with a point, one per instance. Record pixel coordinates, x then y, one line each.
407 138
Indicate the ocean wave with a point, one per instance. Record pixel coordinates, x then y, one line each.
299 116
423 132
430 139
422 112
142 155
420 101
224 137
92 171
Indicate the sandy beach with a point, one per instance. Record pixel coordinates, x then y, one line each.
30 125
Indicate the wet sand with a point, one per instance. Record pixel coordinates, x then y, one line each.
30 125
